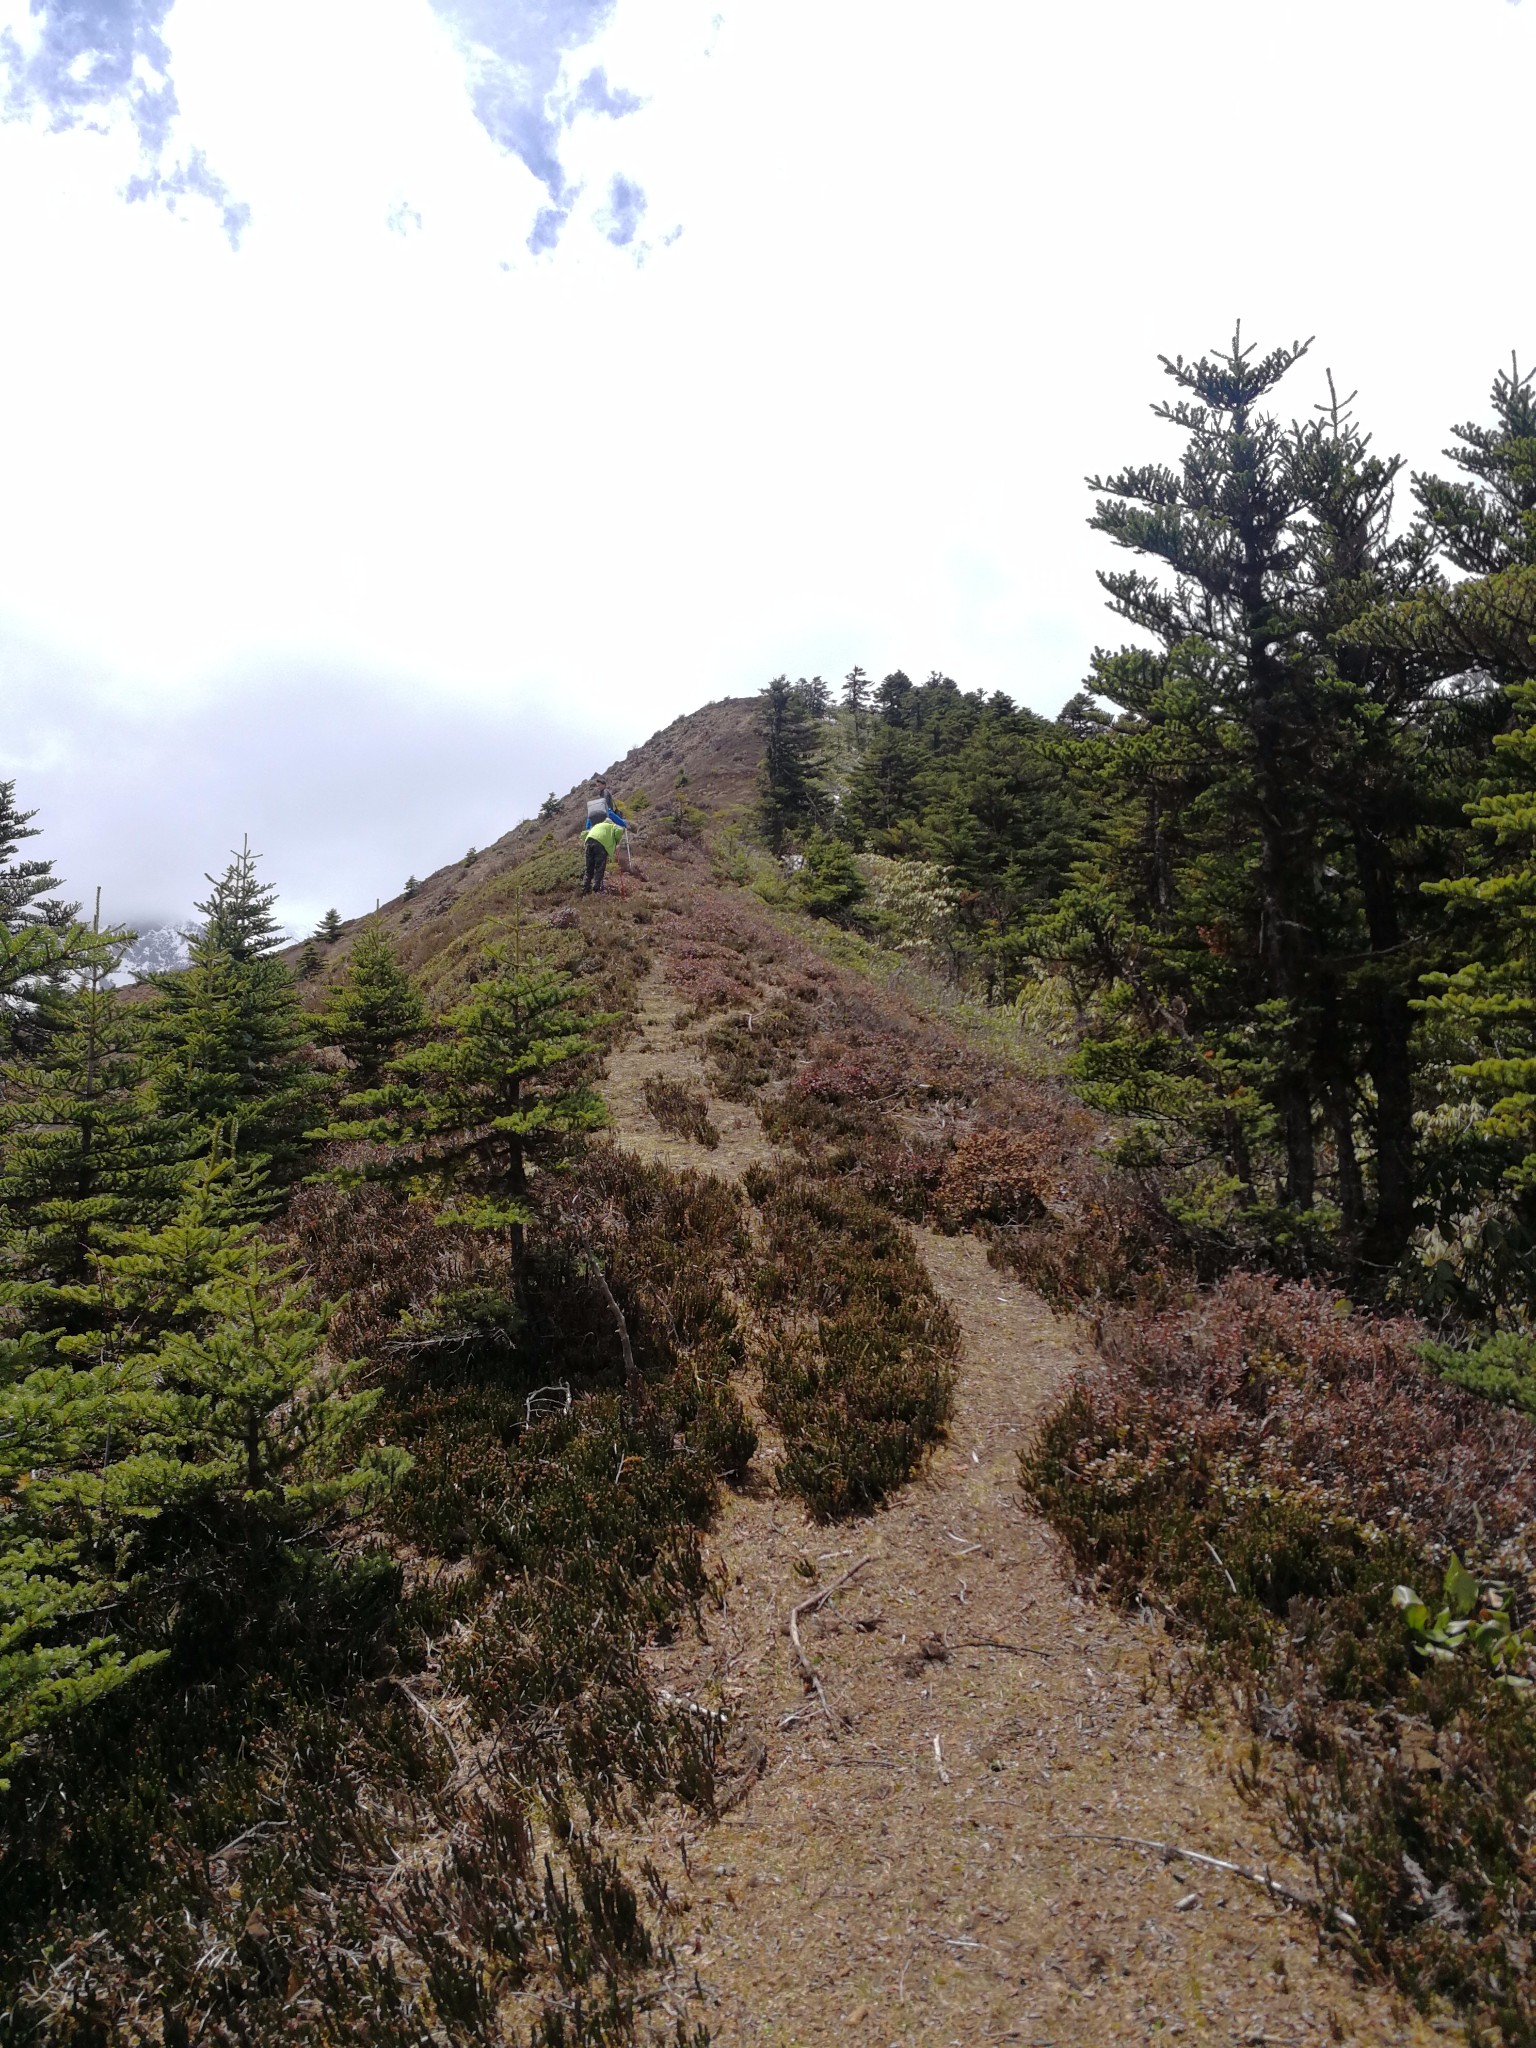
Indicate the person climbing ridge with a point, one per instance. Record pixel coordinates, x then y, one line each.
605 827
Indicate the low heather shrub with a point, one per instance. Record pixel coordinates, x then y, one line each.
681 1110
750 1050
857 1351
1264 1467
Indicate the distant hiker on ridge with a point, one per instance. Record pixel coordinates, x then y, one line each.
605 828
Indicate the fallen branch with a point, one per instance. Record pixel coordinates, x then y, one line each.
441 1726
717 1715
1262 1878
809 1606
253 1833
992 1643
632 1383
745 1779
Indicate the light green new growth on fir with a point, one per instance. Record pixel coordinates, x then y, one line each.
499 1089
201 1373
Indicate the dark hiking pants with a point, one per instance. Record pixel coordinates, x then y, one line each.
597 860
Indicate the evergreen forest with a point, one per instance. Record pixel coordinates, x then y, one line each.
1270 869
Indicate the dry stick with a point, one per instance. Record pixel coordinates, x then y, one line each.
1223 1563
441 1726
1261 1878
748 1776
992 1643
808 1669
632 1385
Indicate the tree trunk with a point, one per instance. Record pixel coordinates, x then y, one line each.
1392 1072
1388 1062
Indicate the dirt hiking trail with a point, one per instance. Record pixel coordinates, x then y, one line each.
919 1873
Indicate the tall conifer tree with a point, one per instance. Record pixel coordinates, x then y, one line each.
228 1031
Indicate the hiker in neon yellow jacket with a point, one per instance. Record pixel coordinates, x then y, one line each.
601 840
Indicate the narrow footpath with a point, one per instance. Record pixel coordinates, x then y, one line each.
925 1863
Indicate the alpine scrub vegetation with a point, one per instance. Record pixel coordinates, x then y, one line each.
364 1409
322 1338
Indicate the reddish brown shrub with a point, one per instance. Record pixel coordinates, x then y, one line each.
995 1176
1266 1467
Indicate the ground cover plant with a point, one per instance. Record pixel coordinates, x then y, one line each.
681 1109
340 1768
1267 1469
856 1357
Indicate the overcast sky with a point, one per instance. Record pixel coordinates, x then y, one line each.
410 404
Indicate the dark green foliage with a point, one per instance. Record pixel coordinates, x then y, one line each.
81 1149
197 1381
680 1109
41 939
498 1092
374 1010
1489 523
980 789
550 805
857 1359
856 695
228 1035
328 931
791 791
829 884
1272 797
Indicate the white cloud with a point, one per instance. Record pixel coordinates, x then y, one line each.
928 263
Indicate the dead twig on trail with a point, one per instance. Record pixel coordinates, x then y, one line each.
745 1779
717 1716
807 1668
1262 1878
993 1643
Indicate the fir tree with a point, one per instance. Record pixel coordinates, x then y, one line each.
81 1151
411 886
329 928
550 805
856 697
201 1378
263 1413
498 1095
309 962
1268 811
374 1009
56 1575
816 695
41 938
228 1033
829 885
790 777
1489 524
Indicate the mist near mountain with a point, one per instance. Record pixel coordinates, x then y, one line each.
346 782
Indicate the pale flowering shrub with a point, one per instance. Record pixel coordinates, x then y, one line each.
913 900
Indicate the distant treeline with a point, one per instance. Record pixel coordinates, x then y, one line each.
1277 854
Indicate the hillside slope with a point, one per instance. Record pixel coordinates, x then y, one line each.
709 1678
920 1874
